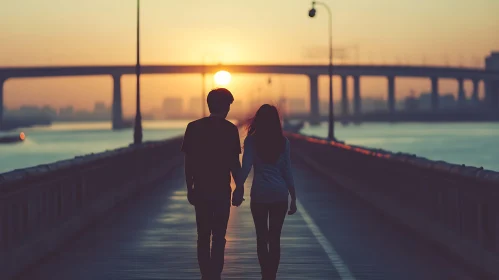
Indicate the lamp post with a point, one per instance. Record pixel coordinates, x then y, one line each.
311 13
137 132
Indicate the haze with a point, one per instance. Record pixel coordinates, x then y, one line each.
92 32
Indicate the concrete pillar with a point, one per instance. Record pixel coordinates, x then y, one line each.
434 94
117 104
391 94
314 99
461 95
356 96
488 94
474 97
496 95
2 82
344 96
492 94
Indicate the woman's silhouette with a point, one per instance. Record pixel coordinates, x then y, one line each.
268 151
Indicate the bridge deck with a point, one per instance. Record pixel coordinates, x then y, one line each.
333 236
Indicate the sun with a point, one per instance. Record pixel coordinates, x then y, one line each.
222 78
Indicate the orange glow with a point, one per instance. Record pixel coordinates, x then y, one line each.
222 78
47 33
340 145
22 136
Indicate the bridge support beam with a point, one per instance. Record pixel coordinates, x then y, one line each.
435 98
314 100
474 97
495 89
117 104
461 95
2 82
492 94
356 96
344 96
391 94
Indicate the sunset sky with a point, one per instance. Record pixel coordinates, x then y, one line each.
102 32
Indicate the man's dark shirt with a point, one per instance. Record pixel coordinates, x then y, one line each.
212 144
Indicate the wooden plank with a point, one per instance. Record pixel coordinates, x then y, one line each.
155 238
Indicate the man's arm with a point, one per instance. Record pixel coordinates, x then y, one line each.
189 175
238 195
247 161
188 163
235 168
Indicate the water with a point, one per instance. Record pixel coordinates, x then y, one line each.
473 144
66 140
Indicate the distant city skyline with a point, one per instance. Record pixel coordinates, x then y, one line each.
155 88
189 108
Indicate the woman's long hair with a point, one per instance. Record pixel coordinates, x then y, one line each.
266 129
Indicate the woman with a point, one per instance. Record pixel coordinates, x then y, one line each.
268 151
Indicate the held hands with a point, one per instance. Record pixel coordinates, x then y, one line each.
292 207
238 196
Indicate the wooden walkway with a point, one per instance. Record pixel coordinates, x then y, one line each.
332 236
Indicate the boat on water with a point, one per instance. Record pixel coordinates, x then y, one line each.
10 139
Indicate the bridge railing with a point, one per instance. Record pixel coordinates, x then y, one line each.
44 206
454 206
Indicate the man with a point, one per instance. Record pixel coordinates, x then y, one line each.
212 147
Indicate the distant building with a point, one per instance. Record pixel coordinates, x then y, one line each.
101 109
49 112
324 107
66 112
373 105
491 64
448 101
492 61
195 107
411 104
29 110
173 107
296 106
83 115
425 101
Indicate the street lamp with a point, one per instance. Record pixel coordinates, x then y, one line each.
311 13
137 132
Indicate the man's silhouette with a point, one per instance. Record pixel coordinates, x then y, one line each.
212 147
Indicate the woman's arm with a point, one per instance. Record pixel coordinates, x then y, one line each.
247 161
288 178
238 195
287 172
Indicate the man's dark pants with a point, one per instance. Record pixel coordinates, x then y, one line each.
212 217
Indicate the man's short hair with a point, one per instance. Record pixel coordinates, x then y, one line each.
219 100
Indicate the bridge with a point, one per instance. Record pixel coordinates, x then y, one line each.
490 76
362 214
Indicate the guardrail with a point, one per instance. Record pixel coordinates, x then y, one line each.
45 206
454 206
